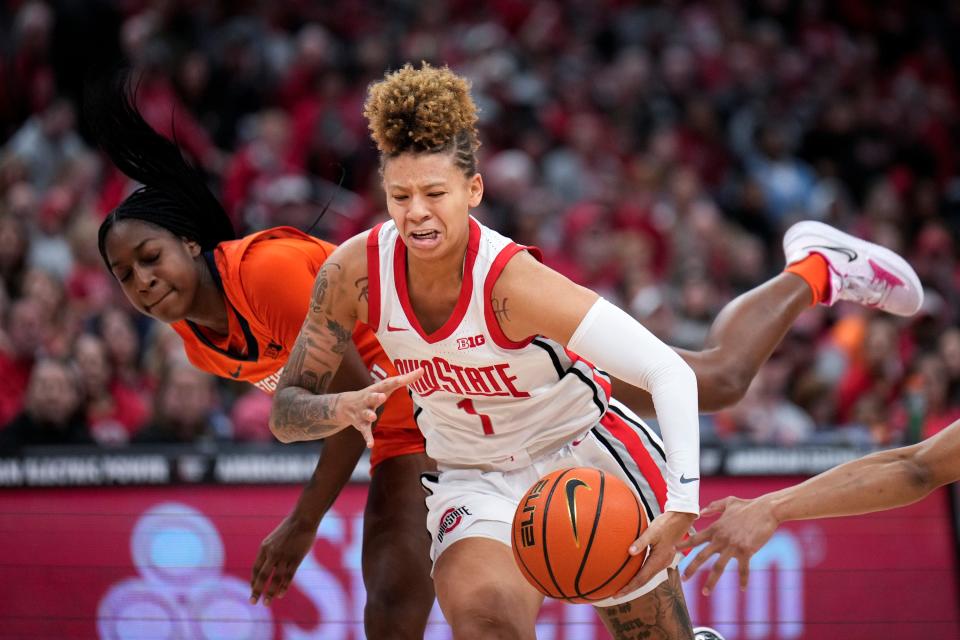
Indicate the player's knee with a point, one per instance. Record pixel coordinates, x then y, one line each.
723 387
399 599
397 614
487 612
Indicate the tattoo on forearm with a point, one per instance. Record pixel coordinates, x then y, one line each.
314 382
362 284
658 615
305 417
500 311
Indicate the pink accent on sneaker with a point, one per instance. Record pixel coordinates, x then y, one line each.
885 276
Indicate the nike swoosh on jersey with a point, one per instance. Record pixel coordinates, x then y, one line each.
685 480
849 253
389 328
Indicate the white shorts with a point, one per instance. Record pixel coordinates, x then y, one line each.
472 503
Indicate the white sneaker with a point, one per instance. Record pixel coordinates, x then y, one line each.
706 633
860 271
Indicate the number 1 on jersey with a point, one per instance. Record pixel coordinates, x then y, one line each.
467 405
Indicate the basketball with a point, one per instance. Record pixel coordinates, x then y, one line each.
572 531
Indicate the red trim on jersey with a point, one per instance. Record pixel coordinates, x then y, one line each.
603 383
373 273
499 337
623 431
466 287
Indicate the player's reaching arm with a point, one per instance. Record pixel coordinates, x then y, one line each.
282 551
302 408
880 481
529 292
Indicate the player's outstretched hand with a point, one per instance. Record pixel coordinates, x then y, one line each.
661 536
359 408
281 552
744 526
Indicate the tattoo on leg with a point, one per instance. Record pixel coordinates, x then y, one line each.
500 311
658 615
362 284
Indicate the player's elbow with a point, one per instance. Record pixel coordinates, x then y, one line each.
277 421
920 474
279 432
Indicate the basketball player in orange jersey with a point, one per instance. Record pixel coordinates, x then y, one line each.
505 397
877 482
238 305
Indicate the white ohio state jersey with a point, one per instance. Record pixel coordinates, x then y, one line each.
483 399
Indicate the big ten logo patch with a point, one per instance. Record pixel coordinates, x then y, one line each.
471 342
451 519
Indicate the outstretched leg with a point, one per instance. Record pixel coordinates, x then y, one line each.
741 339
825 265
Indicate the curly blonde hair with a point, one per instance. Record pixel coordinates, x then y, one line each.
425 110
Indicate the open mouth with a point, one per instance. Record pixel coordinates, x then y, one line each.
425 235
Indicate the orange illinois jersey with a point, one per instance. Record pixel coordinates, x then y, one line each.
267 279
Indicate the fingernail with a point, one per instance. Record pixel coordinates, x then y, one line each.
633 551
705 591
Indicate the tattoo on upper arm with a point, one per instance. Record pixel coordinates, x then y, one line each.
362 284
322 301
658 615
500 311
343 334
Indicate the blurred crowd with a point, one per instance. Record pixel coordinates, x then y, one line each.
656 152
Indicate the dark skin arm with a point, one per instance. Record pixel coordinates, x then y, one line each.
282 551
879 481
742 337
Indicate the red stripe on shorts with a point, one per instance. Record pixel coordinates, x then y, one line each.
623 432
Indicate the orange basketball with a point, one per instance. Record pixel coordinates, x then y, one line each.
572 531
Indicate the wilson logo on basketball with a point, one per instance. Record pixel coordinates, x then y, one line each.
451 519
471 342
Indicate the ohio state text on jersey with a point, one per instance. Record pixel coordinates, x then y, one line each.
483 400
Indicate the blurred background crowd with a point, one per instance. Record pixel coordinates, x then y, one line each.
656 152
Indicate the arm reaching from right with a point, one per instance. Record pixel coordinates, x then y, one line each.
883 480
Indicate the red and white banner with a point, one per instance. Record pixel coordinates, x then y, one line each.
174 562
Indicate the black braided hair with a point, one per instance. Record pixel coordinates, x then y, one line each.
174 195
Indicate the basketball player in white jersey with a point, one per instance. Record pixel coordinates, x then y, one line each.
502 398
483 331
